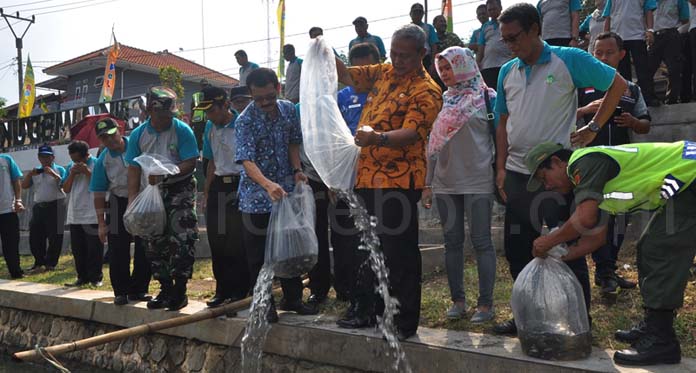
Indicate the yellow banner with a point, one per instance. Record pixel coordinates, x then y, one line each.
26 104
110 74
281 29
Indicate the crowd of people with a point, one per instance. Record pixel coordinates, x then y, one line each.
452 128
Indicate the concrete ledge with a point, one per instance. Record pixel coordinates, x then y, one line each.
316 338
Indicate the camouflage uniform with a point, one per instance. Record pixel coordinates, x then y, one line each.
171 255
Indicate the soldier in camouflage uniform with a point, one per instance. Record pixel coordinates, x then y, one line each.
171 255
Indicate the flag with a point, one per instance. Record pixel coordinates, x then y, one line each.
43 107
447 12
26 104
110 72
281 29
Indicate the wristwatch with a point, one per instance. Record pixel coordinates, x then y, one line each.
650 31
593 126
383 138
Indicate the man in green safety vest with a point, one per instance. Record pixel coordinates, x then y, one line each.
655 177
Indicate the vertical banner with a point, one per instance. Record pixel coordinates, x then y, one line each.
281 29
110 73
26 104
447 12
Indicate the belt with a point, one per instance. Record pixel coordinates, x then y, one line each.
45 204
229 179
666 31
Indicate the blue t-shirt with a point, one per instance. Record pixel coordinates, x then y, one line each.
351 105
266 142
372 39
101 182
177 145
15 172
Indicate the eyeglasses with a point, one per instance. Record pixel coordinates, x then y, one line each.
511 39
268 97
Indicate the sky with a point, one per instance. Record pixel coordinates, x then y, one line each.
205 31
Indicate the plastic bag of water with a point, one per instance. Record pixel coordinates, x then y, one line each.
549 310
291 244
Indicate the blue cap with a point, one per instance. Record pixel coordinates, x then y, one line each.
45 149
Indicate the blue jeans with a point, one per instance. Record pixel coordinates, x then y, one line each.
477 207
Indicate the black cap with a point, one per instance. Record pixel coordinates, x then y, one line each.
417 6
239 91
45 149
359 20
106 126
211 95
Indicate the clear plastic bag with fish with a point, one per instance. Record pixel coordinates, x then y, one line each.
327 140
549 310
291 243
146 217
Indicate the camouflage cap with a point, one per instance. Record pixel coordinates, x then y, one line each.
161 98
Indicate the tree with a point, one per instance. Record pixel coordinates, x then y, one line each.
3 112
170 77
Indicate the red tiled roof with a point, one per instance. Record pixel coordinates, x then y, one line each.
146 58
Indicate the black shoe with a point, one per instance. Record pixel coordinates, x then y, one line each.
506 327
272 314
659 344
298 307
609 285
356 322
178 299
403 335
17 276
315 300
77 283
672 102
352 311
631 335
217 301
625 284
162 299
120 300
97 284
139 297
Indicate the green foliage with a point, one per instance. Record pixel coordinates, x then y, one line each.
3 112
171 77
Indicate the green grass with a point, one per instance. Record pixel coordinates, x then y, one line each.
436 299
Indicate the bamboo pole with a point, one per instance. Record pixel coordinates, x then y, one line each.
210 313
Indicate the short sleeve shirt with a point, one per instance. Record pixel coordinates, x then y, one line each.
9 172
556 19
541 100
495 53
430 37
177 143
589 174
292 79
244 72
450 39
266 142
351 103
46 187
628 17
220 145
81 199
372 39
475 37
669 13
395 102
111 173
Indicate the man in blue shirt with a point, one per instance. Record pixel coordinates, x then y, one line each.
537 102
245 67
482 16
431 39
360 24
110 176
171 254
10 206
268 146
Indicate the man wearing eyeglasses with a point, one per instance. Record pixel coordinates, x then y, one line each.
537 102
268 147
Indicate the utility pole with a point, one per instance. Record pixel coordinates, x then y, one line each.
18 43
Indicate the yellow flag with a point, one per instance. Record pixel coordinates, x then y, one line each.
109 81
26 104
281 29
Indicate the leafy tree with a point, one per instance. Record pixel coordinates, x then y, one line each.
170 77
3 112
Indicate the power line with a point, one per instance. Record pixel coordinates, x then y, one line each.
57 6
23 4
6 27
77 7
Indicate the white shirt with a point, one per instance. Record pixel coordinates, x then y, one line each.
46 187
81 200
219 144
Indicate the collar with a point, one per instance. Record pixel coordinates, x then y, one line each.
114 153
366 36
228 125
264 116
493 22
544 57
417 72
151 130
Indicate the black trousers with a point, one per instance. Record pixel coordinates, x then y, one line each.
320 275
666 48
47 223
9 236
525 213
605 258
122 280
490 76
637 54
397 215
687 76
224 222
88 251
254 236
345 241
559 42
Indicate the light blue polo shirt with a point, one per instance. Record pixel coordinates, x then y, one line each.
219 145
669 13
110 173
541 100
9 172
177 143
628 17
555 17
495 52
